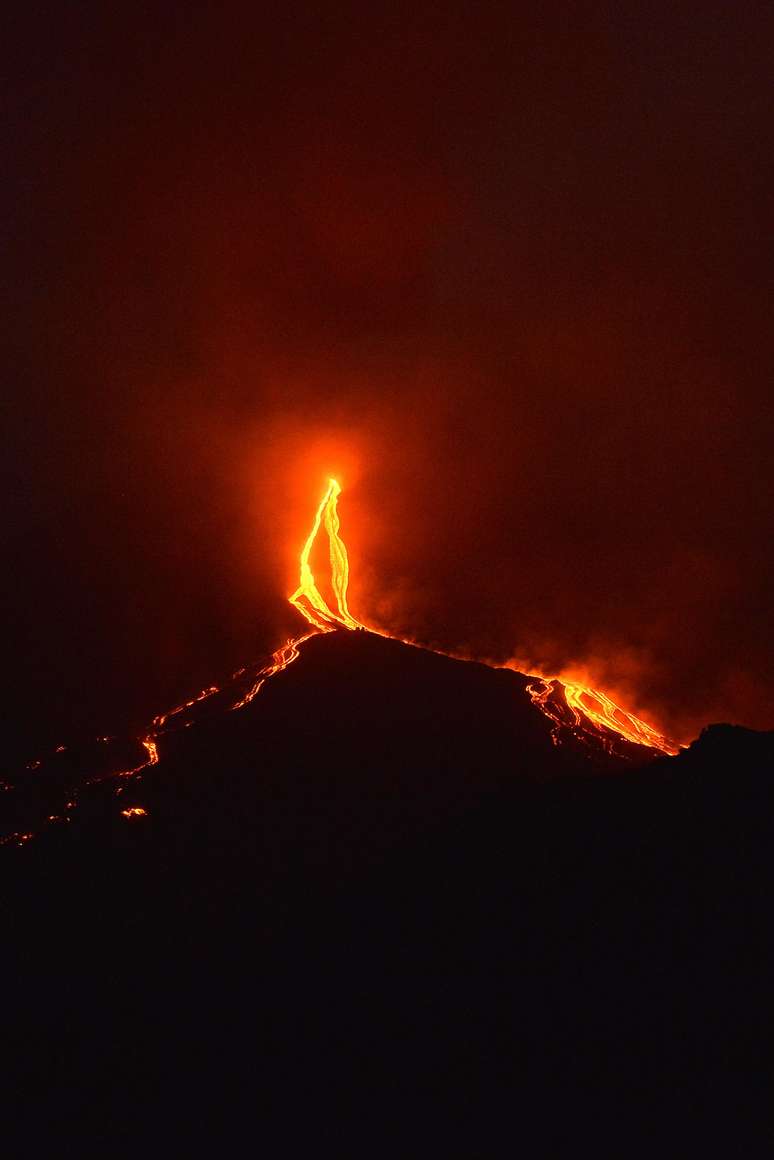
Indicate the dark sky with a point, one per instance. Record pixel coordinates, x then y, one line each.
507 272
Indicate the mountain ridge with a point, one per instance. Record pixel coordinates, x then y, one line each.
339 661
381 895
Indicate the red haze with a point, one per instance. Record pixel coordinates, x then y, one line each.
508 276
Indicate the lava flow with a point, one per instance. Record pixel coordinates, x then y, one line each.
588 713
280 660
307 598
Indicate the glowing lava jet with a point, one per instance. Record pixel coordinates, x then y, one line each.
307 598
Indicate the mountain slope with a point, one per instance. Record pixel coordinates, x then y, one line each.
380 895
354 694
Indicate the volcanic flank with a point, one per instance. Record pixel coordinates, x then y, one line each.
357 716
366 882
468 721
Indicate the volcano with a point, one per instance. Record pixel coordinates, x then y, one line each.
420 725
365 888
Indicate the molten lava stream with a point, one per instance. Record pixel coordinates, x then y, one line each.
283 657
592 712
160 721
308 599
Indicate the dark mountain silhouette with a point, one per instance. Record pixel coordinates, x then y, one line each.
379 906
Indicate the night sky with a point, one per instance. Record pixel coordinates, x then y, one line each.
507 273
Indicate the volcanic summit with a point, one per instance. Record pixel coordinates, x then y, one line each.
366 880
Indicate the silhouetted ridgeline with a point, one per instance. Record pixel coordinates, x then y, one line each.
378 907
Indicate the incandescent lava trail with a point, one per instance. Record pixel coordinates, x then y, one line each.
307 598
588 714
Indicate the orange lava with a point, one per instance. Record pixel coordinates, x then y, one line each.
588 707
161 720
307 598
280 660
151 748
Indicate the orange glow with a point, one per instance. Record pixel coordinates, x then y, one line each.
17 839
280 660
606 713
161 720
307 598
134 812
152 751
151 748
585 710
593 712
